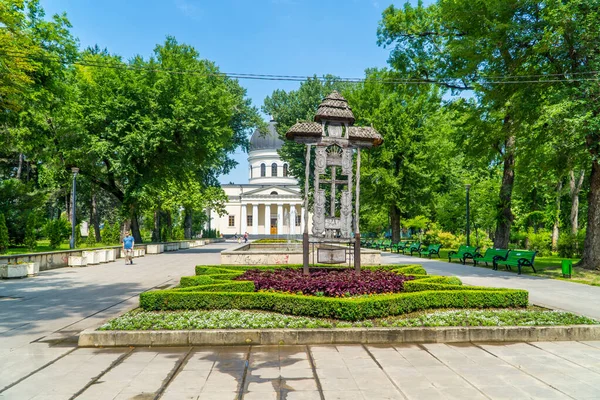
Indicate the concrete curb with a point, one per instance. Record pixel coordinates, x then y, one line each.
220 337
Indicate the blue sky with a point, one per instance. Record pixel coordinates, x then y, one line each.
284 37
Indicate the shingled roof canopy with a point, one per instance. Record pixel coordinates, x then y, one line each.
334 108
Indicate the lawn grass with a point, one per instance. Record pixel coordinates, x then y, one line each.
548 267
238 319
44 246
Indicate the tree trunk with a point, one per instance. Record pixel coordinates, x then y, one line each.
505 215
135 226
574 190
68 206
156 230
395 222
591 248
187 223
556 227
94 217
20 169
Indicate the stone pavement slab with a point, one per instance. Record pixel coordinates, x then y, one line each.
557 294
541 370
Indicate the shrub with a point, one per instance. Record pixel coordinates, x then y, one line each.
350 309
540 241
90 241
569 245
111 234
4 242
30 235
331 282
57 230
447 240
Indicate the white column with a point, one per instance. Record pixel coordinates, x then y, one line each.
244 224
292 219
255 219
267 219
280 219
302 219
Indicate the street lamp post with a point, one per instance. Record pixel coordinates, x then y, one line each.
75 170
467 186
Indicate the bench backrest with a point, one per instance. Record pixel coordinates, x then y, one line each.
517 254
415 245
496 252
466 249
434 247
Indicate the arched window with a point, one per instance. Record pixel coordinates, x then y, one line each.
274 169
274 193
285 170
263 170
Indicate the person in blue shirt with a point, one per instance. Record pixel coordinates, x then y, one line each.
128 243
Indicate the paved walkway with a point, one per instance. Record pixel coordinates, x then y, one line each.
40 318
566 370
557 294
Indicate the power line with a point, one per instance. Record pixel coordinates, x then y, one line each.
481 80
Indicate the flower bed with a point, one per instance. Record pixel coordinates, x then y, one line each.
214 288
330 282
237 319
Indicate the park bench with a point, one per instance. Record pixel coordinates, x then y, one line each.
385 245
413 248
430 250
405 247
375 244
490 256
397 246
463 253
517 258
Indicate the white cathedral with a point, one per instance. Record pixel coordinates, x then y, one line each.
271 204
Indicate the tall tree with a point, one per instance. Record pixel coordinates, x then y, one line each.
145 126
445 45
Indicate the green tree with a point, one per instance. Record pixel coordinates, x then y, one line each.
30 233
144 128
4 241
445 45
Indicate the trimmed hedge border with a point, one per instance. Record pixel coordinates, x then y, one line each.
213 288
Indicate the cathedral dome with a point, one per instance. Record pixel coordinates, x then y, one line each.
269 141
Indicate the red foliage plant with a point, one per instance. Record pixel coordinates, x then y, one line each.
331 282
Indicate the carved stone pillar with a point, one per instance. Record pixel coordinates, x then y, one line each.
255 219
267 219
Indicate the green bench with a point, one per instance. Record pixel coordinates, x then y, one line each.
385 245
430 250
490 256
397 246
517 258
413 248
463 253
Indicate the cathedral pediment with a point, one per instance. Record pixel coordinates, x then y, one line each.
272 191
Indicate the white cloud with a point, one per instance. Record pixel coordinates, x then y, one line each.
190 8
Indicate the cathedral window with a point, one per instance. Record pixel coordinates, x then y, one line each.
274 169
263 170
232 220
285 170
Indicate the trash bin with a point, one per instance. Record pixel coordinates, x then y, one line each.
567 268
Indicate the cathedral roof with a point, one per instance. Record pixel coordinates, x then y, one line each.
268 141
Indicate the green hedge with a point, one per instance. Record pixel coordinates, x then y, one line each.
350 309
213 288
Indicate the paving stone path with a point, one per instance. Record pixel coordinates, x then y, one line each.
41 317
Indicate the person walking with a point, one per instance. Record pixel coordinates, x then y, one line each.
128 243
246 237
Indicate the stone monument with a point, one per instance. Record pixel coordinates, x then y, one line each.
335 201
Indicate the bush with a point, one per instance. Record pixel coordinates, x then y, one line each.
30 235
4 242
540 242
571 246
57 230
111 234
90 241
424 292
